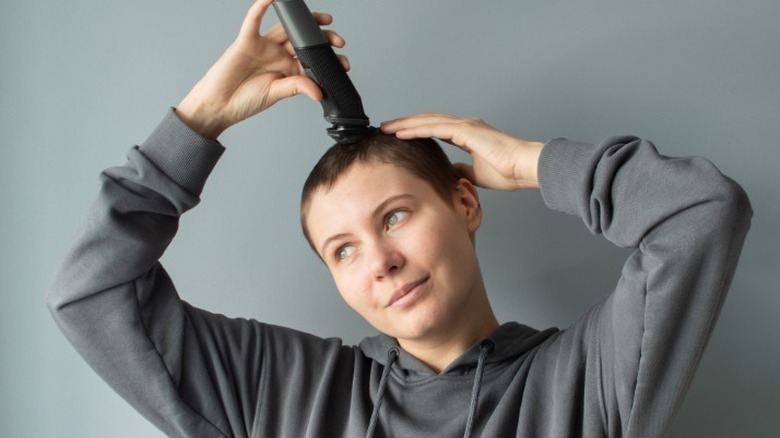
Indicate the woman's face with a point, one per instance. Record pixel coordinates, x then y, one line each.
400 255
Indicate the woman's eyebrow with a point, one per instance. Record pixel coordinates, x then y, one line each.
331 239
383 205
377 211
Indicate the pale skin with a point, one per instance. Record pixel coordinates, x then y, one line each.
404 258
400 255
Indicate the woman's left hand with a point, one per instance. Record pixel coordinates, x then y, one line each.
499 160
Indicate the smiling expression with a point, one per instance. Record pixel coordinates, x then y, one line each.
400 255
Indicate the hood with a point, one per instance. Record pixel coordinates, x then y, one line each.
510 340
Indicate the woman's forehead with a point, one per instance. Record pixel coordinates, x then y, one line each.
359 191
366 184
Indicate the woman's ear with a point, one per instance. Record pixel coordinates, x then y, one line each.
466 200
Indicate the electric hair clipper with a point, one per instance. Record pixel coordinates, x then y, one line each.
341 102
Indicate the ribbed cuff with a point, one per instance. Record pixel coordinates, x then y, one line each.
181 153
563 173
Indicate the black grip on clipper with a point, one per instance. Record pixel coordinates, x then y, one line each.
341 102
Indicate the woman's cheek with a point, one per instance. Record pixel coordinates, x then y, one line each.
354 289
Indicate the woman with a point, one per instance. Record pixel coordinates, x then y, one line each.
402 255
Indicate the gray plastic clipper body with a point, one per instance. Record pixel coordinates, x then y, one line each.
341 102
299 24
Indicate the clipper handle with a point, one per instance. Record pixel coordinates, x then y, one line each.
341 102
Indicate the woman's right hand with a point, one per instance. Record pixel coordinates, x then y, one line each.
255 72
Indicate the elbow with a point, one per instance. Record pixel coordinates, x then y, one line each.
55 303
59 295
735 208
723 206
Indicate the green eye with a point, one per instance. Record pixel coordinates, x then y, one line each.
395 217
344 252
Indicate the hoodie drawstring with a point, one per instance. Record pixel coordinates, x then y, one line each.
392 355
484 349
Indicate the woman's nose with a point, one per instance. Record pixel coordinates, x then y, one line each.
386 260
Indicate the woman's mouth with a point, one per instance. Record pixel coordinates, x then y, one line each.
407 294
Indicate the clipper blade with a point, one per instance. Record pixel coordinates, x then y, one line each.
350 134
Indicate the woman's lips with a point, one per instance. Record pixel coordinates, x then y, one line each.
407 294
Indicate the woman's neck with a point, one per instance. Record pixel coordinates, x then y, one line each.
438 350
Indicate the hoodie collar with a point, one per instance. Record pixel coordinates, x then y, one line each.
510 340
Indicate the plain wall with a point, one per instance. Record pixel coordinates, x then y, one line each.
83 81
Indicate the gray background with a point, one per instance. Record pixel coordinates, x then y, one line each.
83 81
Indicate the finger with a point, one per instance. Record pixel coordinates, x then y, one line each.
429 125
334 38
442 131
323 18
422 116
402 123
251 25
344 62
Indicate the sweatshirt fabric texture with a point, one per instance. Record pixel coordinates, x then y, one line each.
622 369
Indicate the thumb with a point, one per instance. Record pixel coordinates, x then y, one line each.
291 86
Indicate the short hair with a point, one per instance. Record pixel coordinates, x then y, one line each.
422 157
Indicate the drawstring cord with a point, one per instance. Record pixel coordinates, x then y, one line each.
380 393
484 349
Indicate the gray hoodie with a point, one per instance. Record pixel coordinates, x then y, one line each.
622 369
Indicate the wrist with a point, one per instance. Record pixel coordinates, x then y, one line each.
200 118
529 171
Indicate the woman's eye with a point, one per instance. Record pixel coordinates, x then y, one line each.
394 217
344 251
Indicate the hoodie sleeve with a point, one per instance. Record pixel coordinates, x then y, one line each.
686 223
115 303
